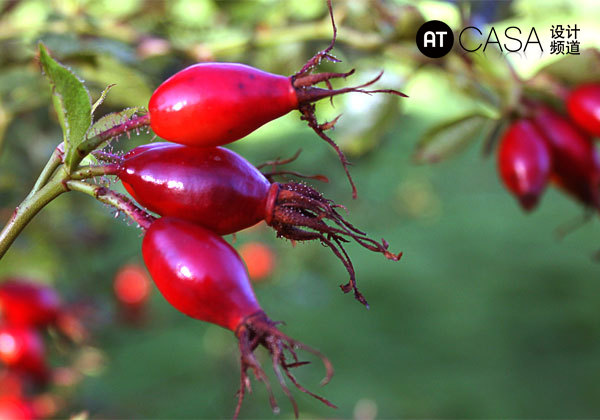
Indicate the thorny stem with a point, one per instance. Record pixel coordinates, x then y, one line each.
54 179
91 171
107 157
91 144
114 199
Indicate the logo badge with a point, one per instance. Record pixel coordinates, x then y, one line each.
435 39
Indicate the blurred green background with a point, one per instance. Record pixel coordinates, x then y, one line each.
488 314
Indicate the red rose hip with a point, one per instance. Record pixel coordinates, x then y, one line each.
198 272
524 162
214 187
583 105
23 302
575 161
22 349
211 104
16 408
202 276
220 190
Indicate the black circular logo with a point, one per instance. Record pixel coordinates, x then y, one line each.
435 39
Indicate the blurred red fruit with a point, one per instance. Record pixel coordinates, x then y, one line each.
15 408
27 303
524 162
575 162
583 105
22 349
259 259
11 383
132 285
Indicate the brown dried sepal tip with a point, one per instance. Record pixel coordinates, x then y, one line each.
301 213
304 81
275 171
258 330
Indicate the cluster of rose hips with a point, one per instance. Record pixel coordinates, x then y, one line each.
202 191
548 146
27 310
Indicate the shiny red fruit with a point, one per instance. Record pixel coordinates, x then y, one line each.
575 161
22 348
198 272
213 187
211 104
583 105
23 302
524 162
220 190
202 276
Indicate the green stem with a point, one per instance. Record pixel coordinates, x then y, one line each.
114 199
85 172
27 210
91 144
55 179
51 166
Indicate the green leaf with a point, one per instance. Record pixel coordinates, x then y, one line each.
72 104
101 98
449 138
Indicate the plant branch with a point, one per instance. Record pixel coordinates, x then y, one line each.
53 163
114 199
54 180
91 144
91 171
27 210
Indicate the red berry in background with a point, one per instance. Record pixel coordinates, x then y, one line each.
575 161
132 285
23 302
11 383
16 408
220 190
259 260
22 349
583 105
524 162
202 276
